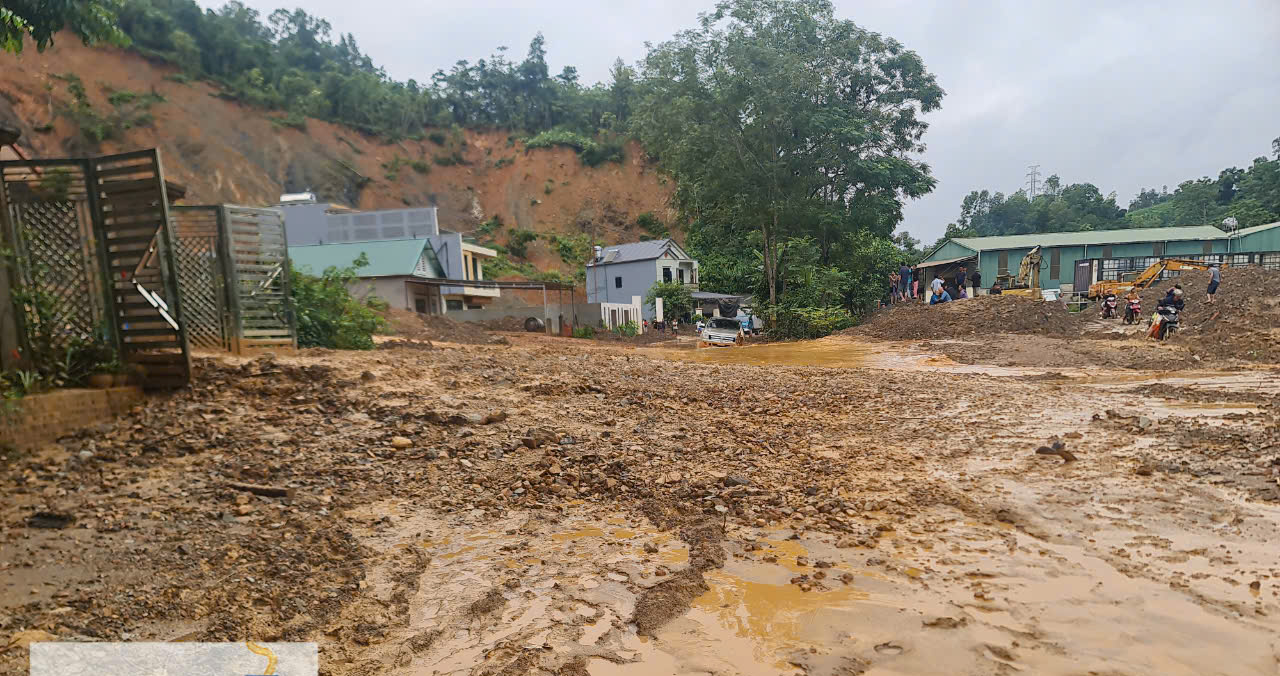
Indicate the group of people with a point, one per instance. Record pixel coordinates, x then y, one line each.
905 286
956 288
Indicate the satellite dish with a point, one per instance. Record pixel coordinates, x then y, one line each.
1230 222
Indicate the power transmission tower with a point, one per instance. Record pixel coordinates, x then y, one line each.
1033 173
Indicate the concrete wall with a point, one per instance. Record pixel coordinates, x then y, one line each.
637 278
588 314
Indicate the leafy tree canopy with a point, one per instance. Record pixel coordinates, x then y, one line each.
793 137
90 20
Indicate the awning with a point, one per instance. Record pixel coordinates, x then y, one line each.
949 261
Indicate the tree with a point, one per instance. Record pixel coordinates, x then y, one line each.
677 301
777 115
90 20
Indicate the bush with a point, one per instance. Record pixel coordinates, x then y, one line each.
584 332
806 323
627 330
449 160
327 314
650 224
518 242
677 301
420 167
437 137
590 152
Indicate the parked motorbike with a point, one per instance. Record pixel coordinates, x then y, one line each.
1132 311
1168 321
1109 306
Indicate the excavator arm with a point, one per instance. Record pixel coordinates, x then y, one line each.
1146 277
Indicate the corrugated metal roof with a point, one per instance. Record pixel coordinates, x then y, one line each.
639 251
1257 228
1125 236
931 264
387 258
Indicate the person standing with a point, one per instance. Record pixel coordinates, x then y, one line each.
895 284
904 281
976 280
935 287
960 279
1215 278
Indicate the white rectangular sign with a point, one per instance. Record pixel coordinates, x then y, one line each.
174 659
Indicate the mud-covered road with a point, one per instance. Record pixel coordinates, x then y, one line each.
555 506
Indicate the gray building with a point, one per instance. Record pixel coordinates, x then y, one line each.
308 221
617 273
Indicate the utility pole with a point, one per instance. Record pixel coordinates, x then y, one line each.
1033 173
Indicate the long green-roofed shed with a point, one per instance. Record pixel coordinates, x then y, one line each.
1074 260
387 258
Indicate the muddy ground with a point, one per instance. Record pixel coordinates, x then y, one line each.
552 506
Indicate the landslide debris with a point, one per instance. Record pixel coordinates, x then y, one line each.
981 316
437 328
1243 322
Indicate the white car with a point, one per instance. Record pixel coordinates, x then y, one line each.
722 331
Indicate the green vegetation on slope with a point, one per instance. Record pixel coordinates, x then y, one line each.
290 62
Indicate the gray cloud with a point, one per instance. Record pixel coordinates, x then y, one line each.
1123 95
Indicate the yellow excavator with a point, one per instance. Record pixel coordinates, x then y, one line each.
1145 278
1027 283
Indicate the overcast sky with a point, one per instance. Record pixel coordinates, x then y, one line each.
1121 94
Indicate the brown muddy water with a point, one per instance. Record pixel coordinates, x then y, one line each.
1054 567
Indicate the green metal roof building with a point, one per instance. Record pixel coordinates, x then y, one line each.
1071 261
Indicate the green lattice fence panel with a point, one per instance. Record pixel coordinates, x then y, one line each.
258 277
201 280
56 277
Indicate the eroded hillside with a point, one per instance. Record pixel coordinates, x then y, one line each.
224 151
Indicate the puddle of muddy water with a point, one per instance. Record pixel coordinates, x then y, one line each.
827 352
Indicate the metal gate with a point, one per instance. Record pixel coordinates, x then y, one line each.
232 264
95 257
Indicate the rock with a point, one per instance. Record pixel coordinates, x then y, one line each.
50 520
802 561
943 622
1067 456
536 438
401 442
368 376
85 455
495 417
650 548
244 510
1145 469
23 639
811 491
736 481
183 550
466 419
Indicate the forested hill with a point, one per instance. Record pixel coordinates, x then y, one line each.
1250 195
293 62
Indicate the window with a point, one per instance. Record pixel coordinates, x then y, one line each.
1003 263
1207 248
475 307
681 275
1238 260
666 275
1055 263
420 304
475 268
1271 261
1106 251
1157 249
453 305
617 282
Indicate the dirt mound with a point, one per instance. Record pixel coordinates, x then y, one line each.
1243 322
984 315
504 324
436 328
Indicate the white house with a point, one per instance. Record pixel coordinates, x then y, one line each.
618 273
